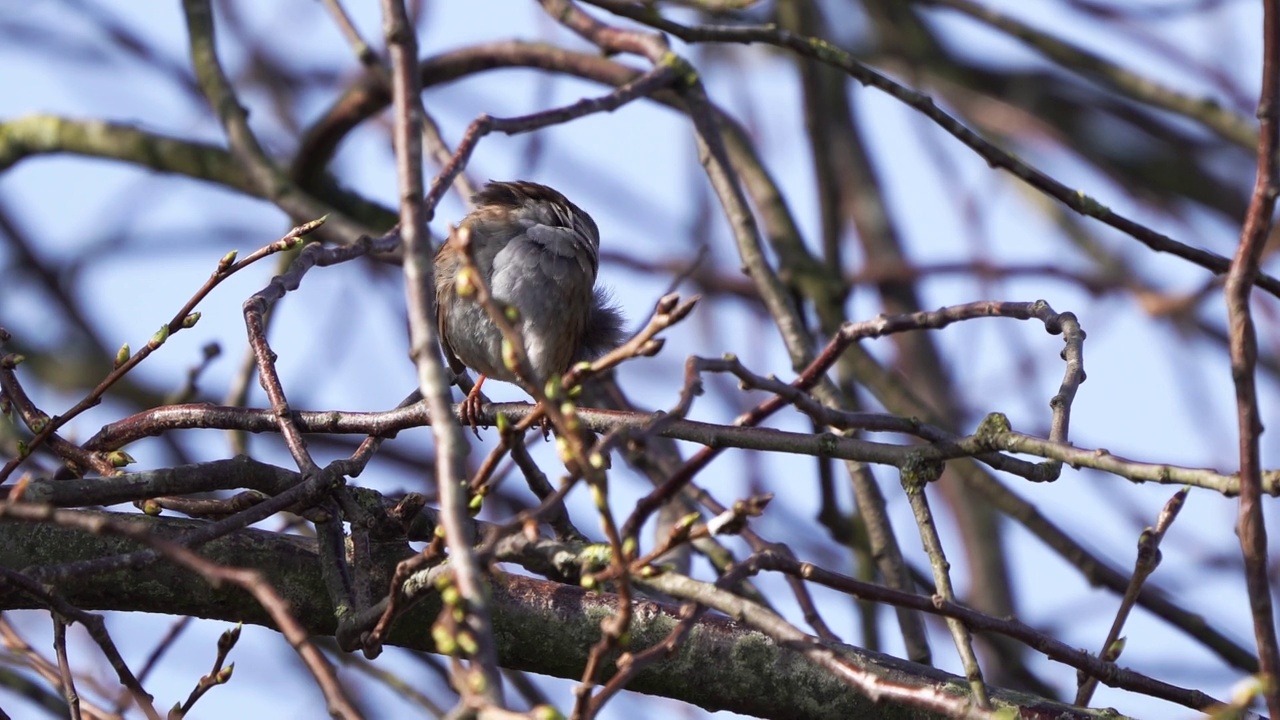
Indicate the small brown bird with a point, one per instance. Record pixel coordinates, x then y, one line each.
538 253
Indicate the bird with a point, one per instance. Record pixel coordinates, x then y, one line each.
538 253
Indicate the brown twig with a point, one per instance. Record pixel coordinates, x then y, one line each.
1146 563
64 667
78 460
400 592
922 696
1055 650
303 494
250 580
850 333
656 79
183 319
1221 121
1244 358
363 51
485 681
194 478
266 179
915 477
631 664
826 52
47 670
216 676
97 629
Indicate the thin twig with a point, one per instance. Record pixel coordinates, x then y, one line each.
250 580
915 478
1244 359
433 381
1147 561
185 318
826 52
64 667
97 629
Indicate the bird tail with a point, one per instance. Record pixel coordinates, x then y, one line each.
604 330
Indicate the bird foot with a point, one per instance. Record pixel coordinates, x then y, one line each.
469 408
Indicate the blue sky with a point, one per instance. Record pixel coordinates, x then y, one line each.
1150 394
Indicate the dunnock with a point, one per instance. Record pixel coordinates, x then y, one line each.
538 253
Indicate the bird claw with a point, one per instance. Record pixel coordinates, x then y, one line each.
468 413
469 408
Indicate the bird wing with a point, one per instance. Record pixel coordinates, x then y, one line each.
561 249
444 295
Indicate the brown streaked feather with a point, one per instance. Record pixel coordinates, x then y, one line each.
444 296
512 195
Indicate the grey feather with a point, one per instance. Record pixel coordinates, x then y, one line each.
538 253
605 327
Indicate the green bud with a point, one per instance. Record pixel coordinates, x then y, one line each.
509 359
122 356
546 712
229 637
464 283
443 640
158 339
227 260
120 458
467 642
1115 649
552 388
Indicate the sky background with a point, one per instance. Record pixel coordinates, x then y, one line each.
144 242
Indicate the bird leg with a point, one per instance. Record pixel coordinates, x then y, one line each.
469 408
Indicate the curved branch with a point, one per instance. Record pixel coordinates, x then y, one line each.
539 625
